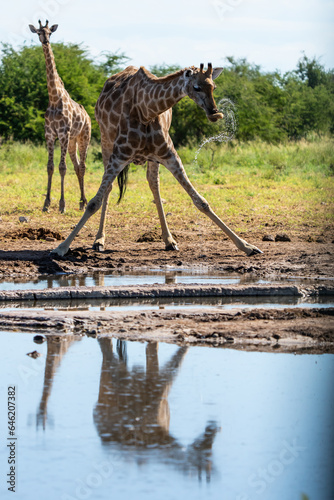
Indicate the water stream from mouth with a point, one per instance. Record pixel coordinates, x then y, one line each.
228 125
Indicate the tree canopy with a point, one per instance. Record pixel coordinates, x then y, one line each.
270 106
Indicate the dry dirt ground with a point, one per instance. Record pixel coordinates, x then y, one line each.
25 252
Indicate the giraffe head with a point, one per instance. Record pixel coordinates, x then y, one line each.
44 32
200 87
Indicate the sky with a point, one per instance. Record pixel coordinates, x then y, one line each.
273 35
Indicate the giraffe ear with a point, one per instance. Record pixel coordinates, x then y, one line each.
188 73
54 28
32 28
216 72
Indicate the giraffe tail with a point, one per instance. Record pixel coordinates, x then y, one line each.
122 180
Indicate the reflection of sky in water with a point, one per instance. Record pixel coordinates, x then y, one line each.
195 303
263 403
149 277
120 280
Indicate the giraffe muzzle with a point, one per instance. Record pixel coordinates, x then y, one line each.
215 117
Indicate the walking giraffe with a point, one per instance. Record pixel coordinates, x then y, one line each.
65 119
134 115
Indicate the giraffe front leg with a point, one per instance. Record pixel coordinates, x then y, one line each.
175 166
91 209
64 140
99 242
50 169
152 176
113 169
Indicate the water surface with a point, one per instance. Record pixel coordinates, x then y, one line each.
147 277
103 419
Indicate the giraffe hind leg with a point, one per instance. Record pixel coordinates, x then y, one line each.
83 143
175 166
99 242
50 169
64 140
72 151
152 176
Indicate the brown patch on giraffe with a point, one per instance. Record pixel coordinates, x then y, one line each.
134 139
107 105
169 102
125 151
117 107
157 93
159 139
142 143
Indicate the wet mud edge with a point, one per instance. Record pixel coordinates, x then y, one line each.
298 330
164 291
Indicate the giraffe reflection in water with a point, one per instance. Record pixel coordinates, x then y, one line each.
57 347
132 409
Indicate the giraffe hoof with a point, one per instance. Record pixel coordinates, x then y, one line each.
172 247
98 247
46 206
60 251
254 251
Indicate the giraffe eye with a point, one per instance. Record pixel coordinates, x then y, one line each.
197 88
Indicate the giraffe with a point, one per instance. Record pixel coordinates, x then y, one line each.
65 119
134 114
132 410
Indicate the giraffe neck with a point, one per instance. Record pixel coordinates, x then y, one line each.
54 82
160 94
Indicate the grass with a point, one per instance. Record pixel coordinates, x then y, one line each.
250 185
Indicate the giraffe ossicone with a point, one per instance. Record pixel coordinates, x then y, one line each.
66 120
134 112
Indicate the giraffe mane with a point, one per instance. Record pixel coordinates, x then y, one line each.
167 78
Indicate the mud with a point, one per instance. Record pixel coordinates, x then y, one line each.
163 291
25 254
30 233
287 330
26 257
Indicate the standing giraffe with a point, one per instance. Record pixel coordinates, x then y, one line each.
134 115
65 119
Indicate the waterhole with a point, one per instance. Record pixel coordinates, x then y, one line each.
100 418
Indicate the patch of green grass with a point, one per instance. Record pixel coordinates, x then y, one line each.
291 182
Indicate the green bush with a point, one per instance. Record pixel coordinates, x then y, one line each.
268 106
23 90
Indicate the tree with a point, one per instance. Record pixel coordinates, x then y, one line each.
269 106
24 96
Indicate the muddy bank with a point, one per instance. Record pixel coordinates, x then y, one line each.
164 291
286 330
280 260
290 330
